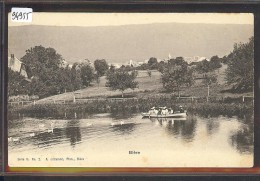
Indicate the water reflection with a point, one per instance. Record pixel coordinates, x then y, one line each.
184 129
72 132
212 126
124 128
46 139
234 134
242 139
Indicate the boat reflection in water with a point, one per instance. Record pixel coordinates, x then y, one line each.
184 128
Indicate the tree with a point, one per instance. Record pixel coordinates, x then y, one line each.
152 62
240 70
149 73
48 75
17 84
208 80
176 74
75 77
206 66
121 80
215 63
38 87
203 66
161 66
144 66
112 68
224 60
39 58
97 78
178 61
67 82
86 74
44 68
101 67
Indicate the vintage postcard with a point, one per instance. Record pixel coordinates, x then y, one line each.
130 89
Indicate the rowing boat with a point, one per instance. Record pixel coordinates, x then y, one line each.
174 115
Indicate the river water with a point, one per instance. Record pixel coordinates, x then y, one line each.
106 140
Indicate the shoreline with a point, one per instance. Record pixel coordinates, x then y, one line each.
128 106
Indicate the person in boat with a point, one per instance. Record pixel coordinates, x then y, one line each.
181 109
152 110
164 111
170 111
159 111
156 111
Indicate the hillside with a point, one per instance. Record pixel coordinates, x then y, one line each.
119 44
148 87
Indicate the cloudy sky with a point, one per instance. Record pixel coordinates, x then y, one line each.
115 19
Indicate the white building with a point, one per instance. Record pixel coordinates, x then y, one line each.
16 65
195 59
116 65
134 63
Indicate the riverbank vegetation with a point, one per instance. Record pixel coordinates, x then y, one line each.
225 107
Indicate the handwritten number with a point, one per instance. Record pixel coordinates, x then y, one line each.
13 15
20 15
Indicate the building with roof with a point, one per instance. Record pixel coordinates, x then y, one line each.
16 65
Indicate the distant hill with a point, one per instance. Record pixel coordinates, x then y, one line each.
137 42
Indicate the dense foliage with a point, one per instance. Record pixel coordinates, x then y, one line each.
152 62
101 67
17 83
86 74
206 66
240 71
40 60
48 74
209 79
176 74
121 80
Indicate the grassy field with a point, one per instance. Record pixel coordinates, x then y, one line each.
146 84
150 87
149 93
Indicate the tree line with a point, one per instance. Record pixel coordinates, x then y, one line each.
49 75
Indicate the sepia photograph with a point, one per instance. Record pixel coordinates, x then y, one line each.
131 90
